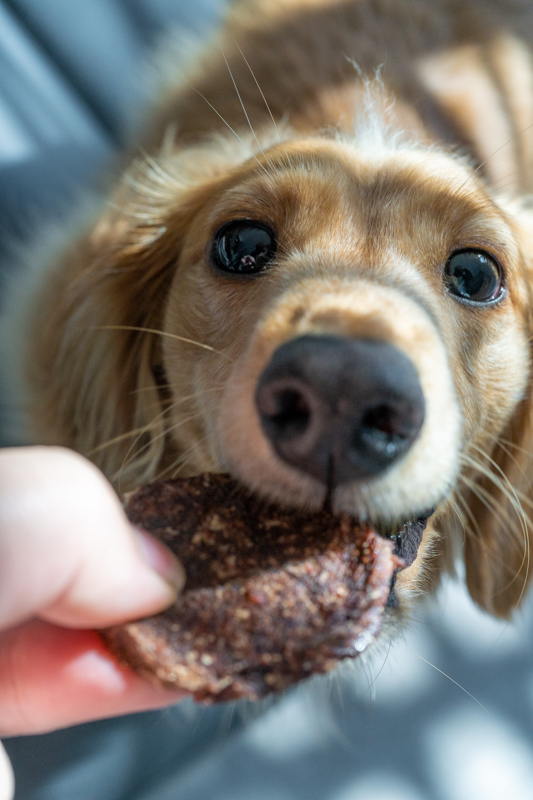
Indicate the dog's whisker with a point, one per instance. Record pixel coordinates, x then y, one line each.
152 388
276 127
117 439
130 457
180 463
525 523
510 445
500 511
502 188
243 106
485 161
234 132
498 506
498 478
462 688
181 399
520 496
132 454
376 676
488 500
497 181
473 528
162 333
495 508
170 406
456 509
501 481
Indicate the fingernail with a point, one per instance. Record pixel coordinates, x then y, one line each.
161 560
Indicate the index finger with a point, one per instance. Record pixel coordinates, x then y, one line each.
52 677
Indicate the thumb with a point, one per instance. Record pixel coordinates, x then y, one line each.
67 551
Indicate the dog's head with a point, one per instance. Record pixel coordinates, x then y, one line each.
330 321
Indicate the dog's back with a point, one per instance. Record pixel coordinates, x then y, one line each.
459 72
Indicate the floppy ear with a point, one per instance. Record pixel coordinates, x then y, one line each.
94 366
498 544
499 537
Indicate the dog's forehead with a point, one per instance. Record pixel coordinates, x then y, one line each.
363 157
401 171
314 177
310 187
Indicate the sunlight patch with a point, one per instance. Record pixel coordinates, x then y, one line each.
475 756
290 729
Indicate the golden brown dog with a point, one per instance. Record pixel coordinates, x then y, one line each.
318 276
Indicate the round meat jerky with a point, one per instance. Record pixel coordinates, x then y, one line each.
272 596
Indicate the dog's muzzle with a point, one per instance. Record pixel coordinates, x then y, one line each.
340 409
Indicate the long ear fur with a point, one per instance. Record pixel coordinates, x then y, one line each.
93 368
499 536
498 544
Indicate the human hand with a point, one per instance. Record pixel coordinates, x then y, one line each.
70 562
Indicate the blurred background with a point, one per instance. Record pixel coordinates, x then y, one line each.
445 714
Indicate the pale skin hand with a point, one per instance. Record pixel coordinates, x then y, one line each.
69 562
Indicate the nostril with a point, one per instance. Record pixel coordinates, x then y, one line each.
381 418
294 413
285 412
384 430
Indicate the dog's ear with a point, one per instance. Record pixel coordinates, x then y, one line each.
498 542
96 383
498 539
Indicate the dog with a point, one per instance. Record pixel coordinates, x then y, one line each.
315 273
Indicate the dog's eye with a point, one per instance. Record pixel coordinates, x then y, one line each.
473 275
243 247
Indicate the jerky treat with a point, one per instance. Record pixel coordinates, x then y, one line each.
272 595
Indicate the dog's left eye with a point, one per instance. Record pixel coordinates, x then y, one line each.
243 247
473 275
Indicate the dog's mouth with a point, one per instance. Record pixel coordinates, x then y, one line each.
406 535
407 538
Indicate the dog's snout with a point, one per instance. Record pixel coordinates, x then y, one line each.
340 409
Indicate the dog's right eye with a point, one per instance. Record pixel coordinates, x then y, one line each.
243 247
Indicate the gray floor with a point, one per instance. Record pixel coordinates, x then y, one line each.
397 729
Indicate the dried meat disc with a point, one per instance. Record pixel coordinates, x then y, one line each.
273 595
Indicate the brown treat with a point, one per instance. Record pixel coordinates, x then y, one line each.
272 595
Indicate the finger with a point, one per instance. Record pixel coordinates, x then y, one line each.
7 782
67 550
53 677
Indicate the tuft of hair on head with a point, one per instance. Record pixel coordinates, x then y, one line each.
375 123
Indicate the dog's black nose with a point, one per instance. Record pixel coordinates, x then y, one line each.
340 409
